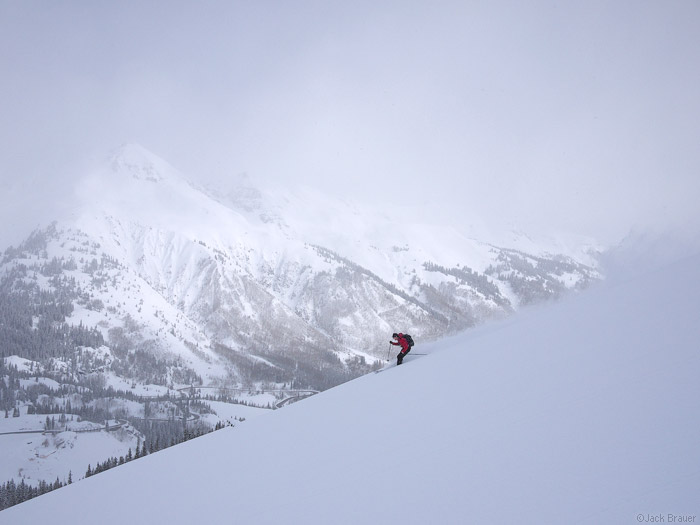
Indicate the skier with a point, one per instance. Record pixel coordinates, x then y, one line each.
403 343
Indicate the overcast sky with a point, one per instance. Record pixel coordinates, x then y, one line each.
571 116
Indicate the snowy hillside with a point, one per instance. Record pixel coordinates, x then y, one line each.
240 286
151 284
579 412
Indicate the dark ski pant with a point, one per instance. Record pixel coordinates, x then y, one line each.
399 358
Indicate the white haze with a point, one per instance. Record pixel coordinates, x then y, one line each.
581 117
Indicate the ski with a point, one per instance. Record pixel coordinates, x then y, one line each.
410 355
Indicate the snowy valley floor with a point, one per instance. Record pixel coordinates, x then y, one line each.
583 411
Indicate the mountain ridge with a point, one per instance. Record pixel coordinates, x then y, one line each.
263 277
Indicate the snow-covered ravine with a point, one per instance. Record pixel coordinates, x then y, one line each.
582 411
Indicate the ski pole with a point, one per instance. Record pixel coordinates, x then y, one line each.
388 354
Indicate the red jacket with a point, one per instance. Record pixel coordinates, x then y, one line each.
402 343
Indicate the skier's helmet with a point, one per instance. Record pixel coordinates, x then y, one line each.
395 335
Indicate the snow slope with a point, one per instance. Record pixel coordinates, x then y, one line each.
216 283
583 411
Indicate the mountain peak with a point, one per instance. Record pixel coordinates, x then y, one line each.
133 160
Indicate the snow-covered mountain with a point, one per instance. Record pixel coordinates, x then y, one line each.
579 412
252 283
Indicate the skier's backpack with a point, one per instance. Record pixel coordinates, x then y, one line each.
409 340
